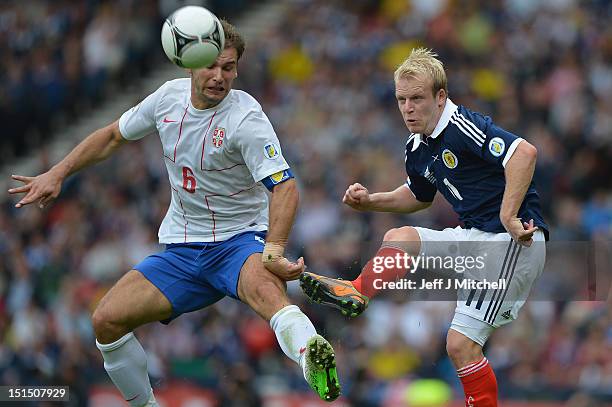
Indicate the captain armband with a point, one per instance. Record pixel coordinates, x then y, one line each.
277 178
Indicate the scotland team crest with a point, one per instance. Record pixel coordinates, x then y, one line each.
449 158
217 137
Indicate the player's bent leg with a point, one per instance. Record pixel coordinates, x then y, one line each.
266 294
461 349
406 237
352 297
131 302
398 243
464 343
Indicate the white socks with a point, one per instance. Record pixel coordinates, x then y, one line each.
126 364
292 329
126 361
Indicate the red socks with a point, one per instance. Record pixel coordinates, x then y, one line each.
479 384
383 266
391 264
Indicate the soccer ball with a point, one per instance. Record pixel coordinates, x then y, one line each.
192 37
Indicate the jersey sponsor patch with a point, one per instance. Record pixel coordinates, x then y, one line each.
271 151
497 146
449 158
217 137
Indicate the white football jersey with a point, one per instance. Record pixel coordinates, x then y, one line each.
215 159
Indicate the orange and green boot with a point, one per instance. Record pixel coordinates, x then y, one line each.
334 292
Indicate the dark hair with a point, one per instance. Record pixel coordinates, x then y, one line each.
233 39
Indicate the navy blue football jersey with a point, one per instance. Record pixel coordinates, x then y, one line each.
464 159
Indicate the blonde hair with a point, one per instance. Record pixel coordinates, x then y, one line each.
423 62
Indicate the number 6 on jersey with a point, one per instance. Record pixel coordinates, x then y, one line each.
189 181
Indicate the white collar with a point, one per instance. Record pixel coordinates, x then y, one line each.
449 109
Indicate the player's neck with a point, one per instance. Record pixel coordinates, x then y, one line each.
436 120
202 104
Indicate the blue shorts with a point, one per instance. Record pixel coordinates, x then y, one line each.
195 275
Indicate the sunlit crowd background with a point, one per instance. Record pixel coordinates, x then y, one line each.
542 69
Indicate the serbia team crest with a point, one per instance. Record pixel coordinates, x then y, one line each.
217 137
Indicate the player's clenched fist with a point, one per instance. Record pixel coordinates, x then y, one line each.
357 197
43 189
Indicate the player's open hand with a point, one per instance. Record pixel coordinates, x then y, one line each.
357 197
521 232
43 189
284 269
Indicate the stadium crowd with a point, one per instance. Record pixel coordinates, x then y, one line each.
542 69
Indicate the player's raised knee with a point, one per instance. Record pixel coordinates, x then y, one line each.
453 346
461 349
99 321
105 328
403 234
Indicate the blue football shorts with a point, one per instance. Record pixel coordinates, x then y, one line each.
195 275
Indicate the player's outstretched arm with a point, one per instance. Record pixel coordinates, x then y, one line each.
400 200
44 188
283 207
519 172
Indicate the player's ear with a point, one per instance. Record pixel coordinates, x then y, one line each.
441 97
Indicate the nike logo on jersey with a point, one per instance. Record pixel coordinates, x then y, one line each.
166 120
302 350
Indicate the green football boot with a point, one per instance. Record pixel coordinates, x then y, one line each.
320 368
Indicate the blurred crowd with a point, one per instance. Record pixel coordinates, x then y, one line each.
62 58
542 69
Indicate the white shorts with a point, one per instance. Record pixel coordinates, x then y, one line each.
502 260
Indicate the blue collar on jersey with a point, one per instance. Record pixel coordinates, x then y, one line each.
449 109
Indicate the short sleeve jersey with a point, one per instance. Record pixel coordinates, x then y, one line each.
215 158
464 159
